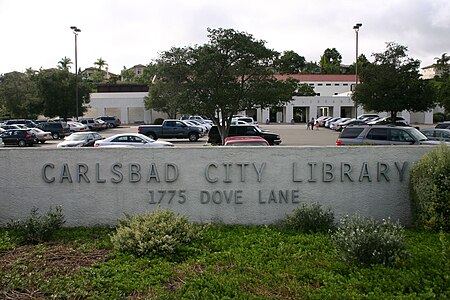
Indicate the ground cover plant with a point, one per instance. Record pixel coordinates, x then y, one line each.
229 262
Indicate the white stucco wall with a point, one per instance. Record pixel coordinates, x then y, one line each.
242 186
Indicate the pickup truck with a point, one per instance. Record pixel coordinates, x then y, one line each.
172 129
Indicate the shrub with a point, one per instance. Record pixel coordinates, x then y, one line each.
158 121
430 190
37 229
366 241
438 117
159 232
310 219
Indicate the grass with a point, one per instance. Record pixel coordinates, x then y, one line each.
230 262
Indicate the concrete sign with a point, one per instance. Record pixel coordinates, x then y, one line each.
245 185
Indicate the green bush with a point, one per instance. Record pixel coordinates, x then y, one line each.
367 241
310 219
37 229
438 117
430 190
159 232
158 121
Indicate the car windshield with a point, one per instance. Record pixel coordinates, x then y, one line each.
418 135
76 137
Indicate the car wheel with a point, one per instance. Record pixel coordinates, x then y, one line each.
193 137
22 143
152 136
110 125
42 141
55 135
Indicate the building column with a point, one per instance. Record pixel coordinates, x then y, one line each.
289 112
428 117
124 115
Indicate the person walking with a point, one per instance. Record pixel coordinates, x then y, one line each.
308 125
317 125
312 123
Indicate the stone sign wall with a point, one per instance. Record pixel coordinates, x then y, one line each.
245 185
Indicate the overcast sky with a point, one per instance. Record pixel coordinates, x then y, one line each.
36 33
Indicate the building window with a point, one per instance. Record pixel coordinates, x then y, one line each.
345 84
319 84
335 93
311 84
328 84
317 94
336 84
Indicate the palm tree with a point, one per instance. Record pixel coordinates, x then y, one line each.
442 63
100 63
64 63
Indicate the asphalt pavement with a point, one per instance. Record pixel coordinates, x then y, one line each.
291 135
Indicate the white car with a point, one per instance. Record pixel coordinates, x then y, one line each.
42 135
77 126
131 140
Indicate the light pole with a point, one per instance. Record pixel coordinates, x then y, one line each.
75 32
356 27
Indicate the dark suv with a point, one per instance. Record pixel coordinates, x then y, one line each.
112 121
382 135
19 137
58 129
443 125
244 130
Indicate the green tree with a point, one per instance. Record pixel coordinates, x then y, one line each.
304 90
56 89
311 67
362 63
169 91
442 64
64 63
148 74
233 73
290 63
392 84
330 61
100 63
127 74
18 95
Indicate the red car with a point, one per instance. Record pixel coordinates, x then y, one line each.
245 141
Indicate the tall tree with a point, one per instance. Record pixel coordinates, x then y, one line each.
18 95
392 84
100 63
233 73
330 61
362 63
311 67
168 92
64 63
290 63
442 64
56 89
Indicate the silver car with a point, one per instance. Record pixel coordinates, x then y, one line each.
382 135
437 134
131 140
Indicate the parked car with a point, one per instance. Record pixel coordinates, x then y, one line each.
382 135
244 130
14 126
27 123
41 135
112 121
399 121
169 129
77 126
199 118
351 122
131 140
245 141
367 116
58 129
91 123
323 121
80 139
248 120
19 137
437 134
336 124
443 125
329 121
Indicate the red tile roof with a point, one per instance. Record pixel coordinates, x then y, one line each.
318 77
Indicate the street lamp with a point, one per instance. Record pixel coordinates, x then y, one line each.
356 28
75 32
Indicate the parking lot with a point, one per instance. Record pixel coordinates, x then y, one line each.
291 135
